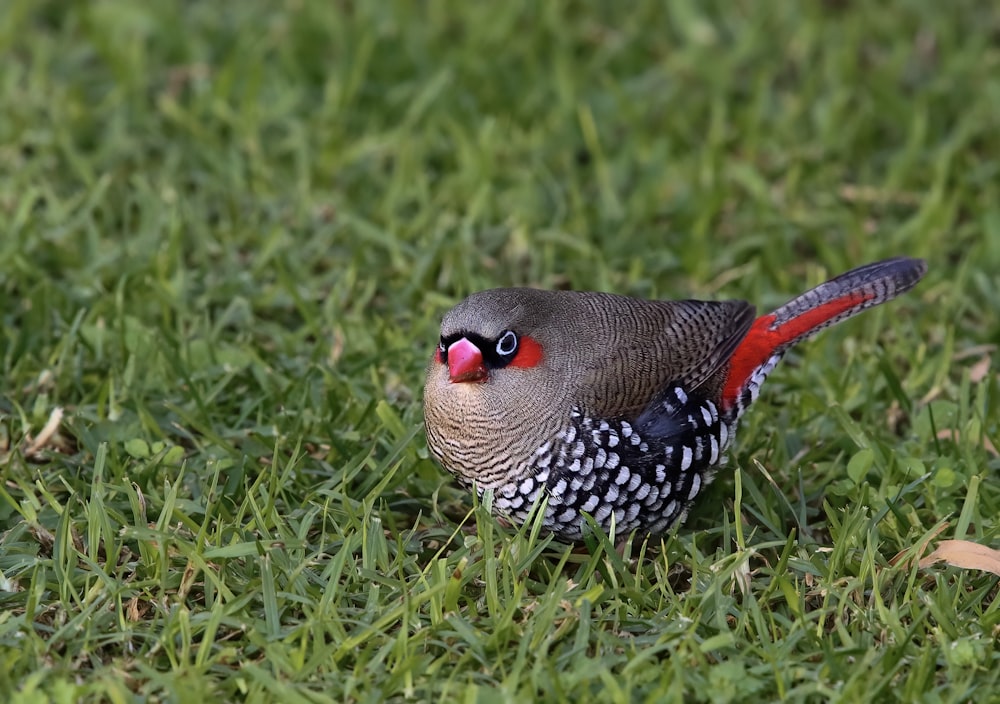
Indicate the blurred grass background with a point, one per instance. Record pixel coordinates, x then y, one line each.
228 232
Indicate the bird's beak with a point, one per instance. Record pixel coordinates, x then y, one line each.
465 362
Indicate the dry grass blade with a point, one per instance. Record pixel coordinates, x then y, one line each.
921 546
51 427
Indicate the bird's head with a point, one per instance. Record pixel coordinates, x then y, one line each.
492 336
501 372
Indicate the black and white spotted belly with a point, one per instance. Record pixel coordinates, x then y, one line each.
637 476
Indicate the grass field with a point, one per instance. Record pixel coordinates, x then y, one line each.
228 232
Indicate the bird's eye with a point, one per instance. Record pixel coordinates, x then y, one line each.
507 344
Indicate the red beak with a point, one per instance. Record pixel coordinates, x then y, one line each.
465 362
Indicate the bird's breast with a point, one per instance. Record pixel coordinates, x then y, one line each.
487 433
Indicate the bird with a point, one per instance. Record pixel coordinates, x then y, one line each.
617 408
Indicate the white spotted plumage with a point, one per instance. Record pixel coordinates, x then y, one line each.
636 487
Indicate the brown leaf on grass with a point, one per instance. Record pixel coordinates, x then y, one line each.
135 609
979 370
965 554
955 436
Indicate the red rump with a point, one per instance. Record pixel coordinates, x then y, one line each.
763 340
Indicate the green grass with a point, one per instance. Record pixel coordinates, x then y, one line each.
228 231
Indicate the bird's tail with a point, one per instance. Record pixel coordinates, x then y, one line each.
838 299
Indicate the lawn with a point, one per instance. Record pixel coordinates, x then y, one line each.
228 232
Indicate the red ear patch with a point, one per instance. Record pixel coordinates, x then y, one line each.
529 353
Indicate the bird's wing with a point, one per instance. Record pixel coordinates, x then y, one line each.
660 344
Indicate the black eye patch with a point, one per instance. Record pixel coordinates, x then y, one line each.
496 353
